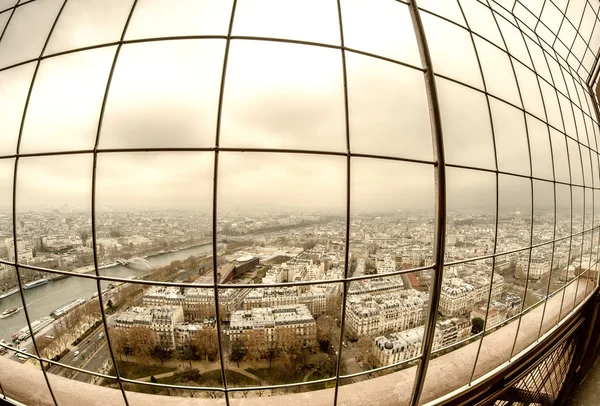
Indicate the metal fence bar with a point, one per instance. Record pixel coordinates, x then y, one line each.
346 284
499 48
439 170
530 178
553 187
14 198
215 203
93 202
440 201
555 58
497 189
12 11
570 188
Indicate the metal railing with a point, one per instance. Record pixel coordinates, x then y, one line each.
575 73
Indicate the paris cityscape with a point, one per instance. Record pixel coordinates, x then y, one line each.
278 334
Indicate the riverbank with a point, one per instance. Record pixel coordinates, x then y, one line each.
91 268
44 299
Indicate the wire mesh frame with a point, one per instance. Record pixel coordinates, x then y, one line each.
556 35
536 39
438 164
556 58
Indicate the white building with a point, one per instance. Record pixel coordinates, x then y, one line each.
461 295
386 265
161 320
403 345
497 313
385 312
24 250
270 320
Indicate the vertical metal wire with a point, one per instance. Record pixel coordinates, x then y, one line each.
439 238
12 12
215 205
546 56
537 77
575 38
346 284
497 179
530 174
93 208
596 111
539 18
584 202
553 187
591 72
14 198
562 20
587 133
570 188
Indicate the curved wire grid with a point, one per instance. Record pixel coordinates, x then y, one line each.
574 68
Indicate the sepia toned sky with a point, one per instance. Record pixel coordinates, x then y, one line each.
281 95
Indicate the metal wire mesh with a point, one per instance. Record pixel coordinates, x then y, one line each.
563 69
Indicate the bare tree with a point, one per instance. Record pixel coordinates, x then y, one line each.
120 341
255 344
289 344
325 331
143 341
206 344
365 351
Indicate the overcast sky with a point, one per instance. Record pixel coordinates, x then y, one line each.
278 95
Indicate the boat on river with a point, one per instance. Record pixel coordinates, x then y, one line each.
35 284
9 312
9 293
61 311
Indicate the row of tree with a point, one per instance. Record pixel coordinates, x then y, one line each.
68 328
144 344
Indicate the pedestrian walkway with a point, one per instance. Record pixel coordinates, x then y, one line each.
201 366
238 370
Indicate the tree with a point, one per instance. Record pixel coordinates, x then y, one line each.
325 331
477 325
143 341
162 352
120 342
206 344
365 352
188 353
84 236
238 352
363 348
255 344
333 306
322 363
289 344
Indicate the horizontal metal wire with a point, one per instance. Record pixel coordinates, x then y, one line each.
300 283
383 368
220 285
218 149
588 114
